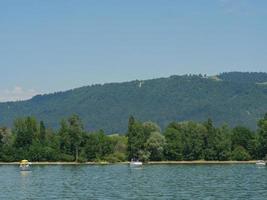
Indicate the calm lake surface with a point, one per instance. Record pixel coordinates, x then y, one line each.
237 181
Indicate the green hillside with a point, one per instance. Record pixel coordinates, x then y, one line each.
235 98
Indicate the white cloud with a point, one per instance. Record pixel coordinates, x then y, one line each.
17 93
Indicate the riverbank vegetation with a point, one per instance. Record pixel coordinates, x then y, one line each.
188 141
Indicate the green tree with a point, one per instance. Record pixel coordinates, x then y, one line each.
155 146
118 148
193 140
71 134
240 154
64 138
173 149
223 143
150 127
7 151
25 130
187 137
75 133
36 152
210 140
97 146
52 146
244 137
262 124
1 143
136 138
42 133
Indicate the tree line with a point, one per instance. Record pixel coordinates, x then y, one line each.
189 140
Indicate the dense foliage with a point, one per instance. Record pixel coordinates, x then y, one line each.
233 98
188 140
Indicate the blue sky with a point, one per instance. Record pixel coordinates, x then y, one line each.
54 45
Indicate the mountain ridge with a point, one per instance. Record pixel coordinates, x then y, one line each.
236 98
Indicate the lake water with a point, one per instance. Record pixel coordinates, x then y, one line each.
243 181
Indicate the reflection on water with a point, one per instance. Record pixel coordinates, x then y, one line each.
25 173
125 182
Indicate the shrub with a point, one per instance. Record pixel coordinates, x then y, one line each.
240 154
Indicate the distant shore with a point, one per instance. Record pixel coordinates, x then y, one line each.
148 163
203 162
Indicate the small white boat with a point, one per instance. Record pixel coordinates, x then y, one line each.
261 163
25 165
135 163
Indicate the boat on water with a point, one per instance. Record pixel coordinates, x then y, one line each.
25 165
135 163
261 163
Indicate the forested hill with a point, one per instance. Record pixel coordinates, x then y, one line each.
235 98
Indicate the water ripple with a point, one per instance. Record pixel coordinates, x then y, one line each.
123 182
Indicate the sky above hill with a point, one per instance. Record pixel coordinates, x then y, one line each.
54 45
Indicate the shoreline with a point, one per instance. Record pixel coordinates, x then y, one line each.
148 163
204 162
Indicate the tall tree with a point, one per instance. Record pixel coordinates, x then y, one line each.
6 145
155 146
223 143
136 139
65 146
245 138
97 146
150 127
42 132
210 141
1 142
75 133
192 137
174 147
262 124
25 131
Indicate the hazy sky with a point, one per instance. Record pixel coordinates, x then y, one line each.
52 45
